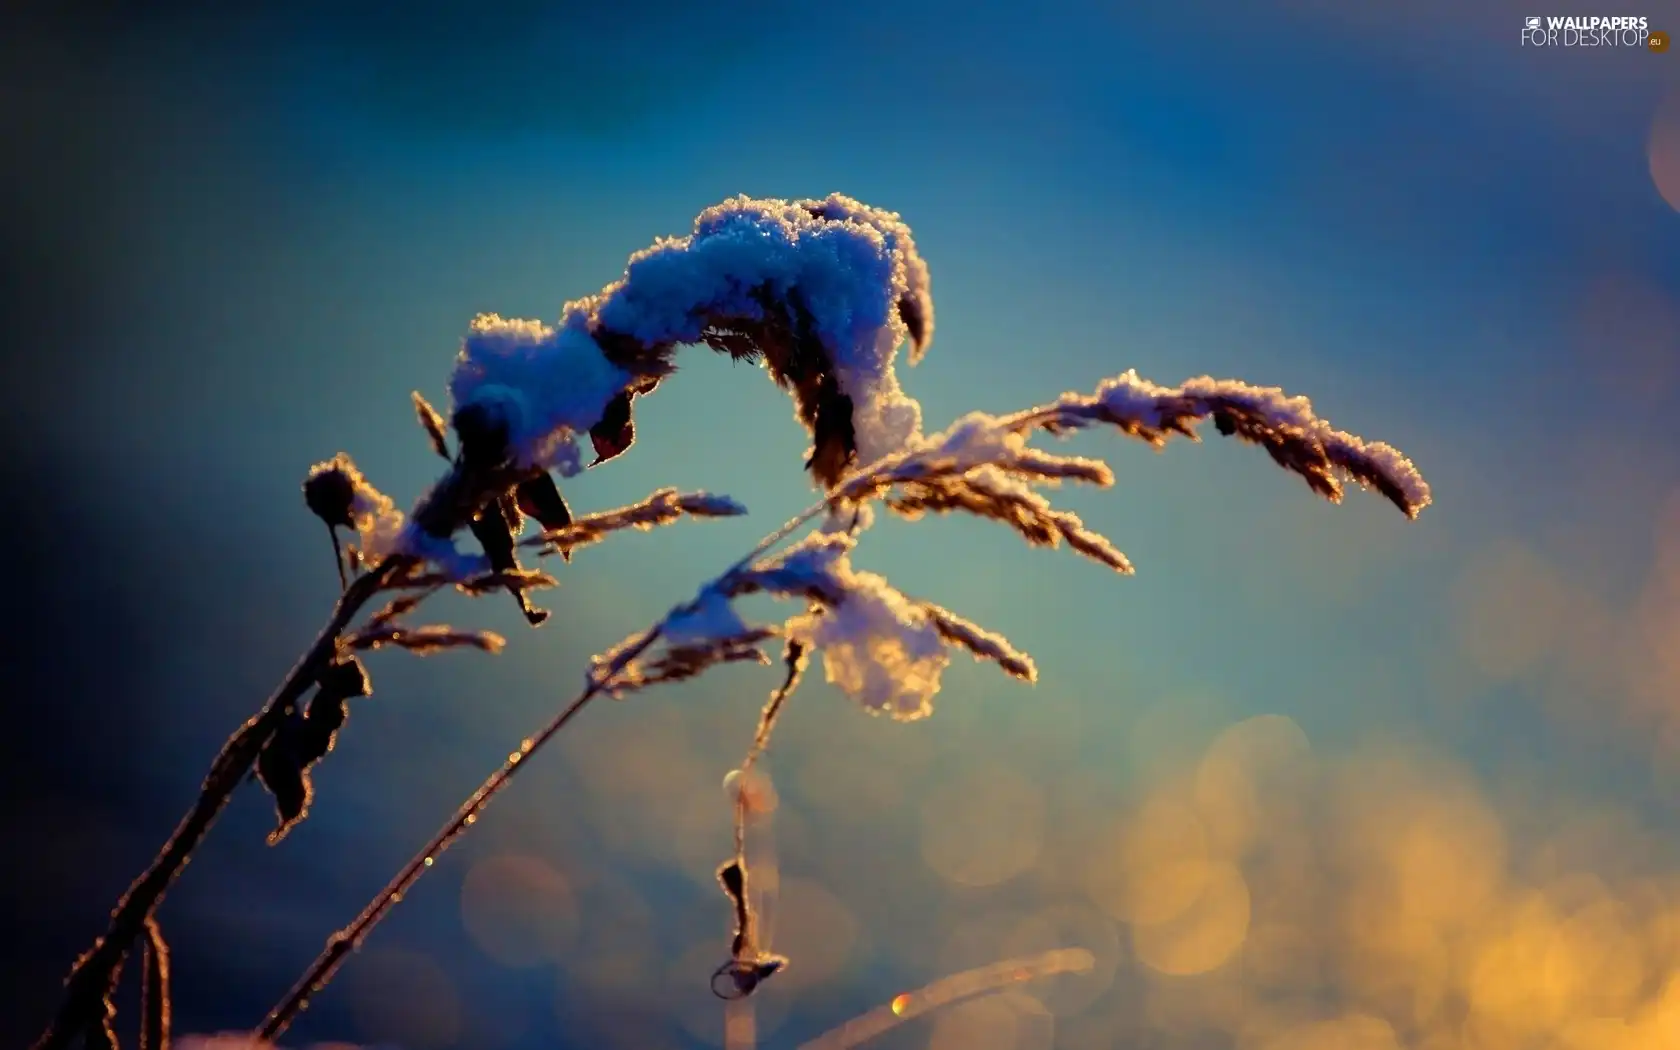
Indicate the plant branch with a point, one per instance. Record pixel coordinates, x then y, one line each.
89 985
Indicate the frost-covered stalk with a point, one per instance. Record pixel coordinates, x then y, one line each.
410 557
822 293
883 648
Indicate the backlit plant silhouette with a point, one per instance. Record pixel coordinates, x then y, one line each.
822 294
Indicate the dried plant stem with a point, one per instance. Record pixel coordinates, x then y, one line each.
960 987
341 944
88 988
154 991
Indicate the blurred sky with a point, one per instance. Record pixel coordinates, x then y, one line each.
234 242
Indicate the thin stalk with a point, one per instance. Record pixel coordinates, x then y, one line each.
341 944
154 990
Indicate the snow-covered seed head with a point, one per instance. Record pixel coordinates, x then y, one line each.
329 491
337 493
822 292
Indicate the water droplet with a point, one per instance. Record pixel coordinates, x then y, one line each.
515 757
472 818
900 1004
527 744
396 898
428 862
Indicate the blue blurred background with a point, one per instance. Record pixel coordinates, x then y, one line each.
1314 778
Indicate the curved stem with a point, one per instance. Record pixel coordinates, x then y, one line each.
969 984
88 988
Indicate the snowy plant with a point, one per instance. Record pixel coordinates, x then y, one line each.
822 294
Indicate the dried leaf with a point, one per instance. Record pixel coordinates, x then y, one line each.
614 433
304 738
284 776
748 967
539 497
494 529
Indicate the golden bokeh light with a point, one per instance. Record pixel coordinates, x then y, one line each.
983 827
1008 1020
1663 151
616 950
815 930
1151 866
1204 936
1350 1032
1169 735
1240 774
1234 884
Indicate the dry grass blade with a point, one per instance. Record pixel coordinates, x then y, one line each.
476 586
987 493
1039 465
397 609
509 579
983 644
660 508
684 662
1284 426
431 421
426 640
956 988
